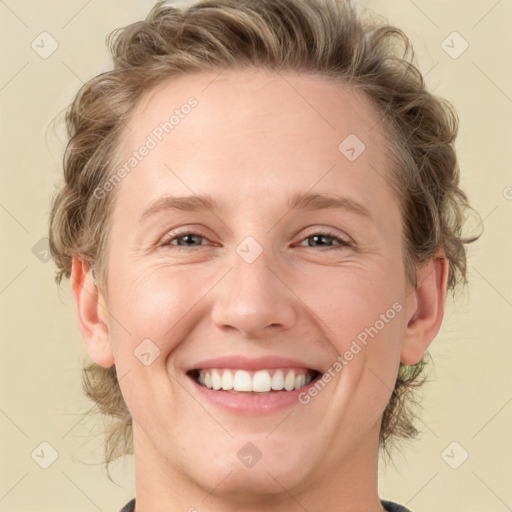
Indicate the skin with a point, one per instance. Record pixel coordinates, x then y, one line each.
255 138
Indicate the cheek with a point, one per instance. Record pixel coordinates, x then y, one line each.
361 311
155 303
352 299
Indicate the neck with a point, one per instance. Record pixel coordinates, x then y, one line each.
349 485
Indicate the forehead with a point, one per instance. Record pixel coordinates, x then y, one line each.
256 132
255 100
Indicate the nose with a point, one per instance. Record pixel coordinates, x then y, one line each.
254 299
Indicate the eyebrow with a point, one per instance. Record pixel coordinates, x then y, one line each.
300 201
186 203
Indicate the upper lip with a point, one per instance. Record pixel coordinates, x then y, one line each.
251 364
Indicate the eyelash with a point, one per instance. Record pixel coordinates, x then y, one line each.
329 234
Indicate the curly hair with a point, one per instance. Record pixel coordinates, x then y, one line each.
333 39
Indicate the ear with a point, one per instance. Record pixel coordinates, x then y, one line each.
91 312
425 308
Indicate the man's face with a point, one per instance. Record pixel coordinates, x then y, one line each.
256 278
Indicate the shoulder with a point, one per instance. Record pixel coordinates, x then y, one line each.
392 507
129 507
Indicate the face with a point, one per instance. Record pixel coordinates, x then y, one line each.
267 271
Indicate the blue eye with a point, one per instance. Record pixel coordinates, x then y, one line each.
189 237
317 236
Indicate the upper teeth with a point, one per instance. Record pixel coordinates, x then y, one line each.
260 381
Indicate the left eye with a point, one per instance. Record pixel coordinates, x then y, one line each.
318 238
329 236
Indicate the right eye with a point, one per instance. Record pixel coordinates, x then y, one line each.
184 235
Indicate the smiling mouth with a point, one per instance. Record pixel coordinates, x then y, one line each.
259 382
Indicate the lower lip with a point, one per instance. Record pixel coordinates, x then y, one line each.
252 404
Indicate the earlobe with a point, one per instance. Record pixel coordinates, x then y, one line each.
91 313
425 309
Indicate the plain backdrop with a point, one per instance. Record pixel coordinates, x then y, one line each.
463 459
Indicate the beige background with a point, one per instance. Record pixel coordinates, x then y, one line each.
469 398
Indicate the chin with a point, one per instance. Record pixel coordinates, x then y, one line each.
245 484
248 471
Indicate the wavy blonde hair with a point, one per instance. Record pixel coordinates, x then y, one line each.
330 38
